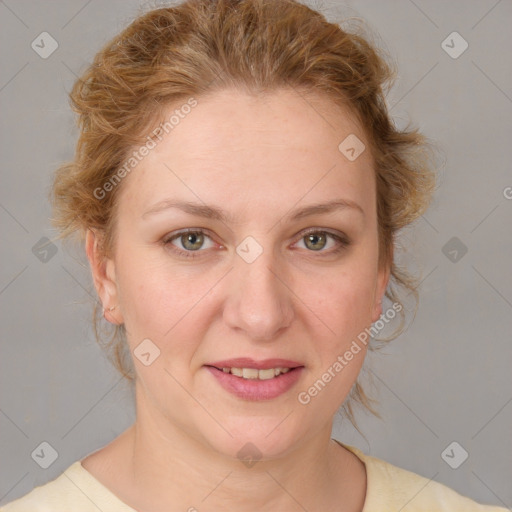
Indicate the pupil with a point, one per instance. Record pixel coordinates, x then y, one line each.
315 239
192 238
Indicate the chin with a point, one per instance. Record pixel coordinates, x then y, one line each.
255 438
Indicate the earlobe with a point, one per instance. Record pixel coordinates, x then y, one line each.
377 310
103 274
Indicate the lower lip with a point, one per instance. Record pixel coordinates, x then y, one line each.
255 389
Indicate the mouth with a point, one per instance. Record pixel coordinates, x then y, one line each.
248 368
255 373
256 380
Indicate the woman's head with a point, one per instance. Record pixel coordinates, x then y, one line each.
260 108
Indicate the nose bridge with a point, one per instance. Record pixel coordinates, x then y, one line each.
259 302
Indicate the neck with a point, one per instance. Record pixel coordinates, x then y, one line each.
167 468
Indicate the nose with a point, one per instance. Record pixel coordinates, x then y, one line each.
259 302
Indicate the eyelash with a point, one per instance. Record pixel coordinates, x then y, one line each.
343 242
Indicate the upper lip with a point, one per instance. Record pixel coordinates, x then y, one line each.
247 362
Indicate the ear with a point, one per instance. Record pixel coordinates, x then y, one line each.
104 277
380 288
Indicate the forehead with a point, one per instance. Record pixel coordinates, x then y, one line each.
284 118
236 146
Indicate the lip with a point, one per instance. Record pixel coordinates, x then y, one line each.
247 362
255 389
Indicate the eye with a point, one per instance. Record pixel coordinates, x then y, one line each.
316 240
188 242
191 242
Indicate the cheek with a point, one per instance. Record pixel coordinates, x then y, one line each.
342 304
162 302
343 300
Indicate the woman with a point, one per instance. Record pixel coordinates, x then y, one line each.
238 185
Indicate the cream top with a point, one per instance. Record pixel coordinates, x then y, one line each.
389 489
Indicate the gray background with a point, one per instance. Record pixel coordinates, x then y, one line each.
446 379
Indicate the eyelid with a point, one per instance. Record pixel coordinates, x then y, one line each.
342 239
176 234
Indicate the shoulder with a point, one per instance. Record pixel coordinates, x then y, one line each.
390 488
75 489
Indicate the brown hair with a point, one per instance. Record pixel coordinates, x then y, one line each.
170 54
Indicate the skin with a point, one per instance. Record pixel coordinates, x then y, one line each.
257 158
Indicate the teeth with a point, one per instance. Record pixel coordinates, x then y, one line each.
250 373
253 373
237 371
270 373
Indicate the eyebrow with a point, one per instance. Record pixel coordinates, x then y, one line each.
216 213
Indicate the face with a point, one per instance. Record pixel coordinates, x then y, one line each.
260 277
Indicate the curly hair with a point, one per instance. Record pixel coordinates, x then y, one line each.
198 47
